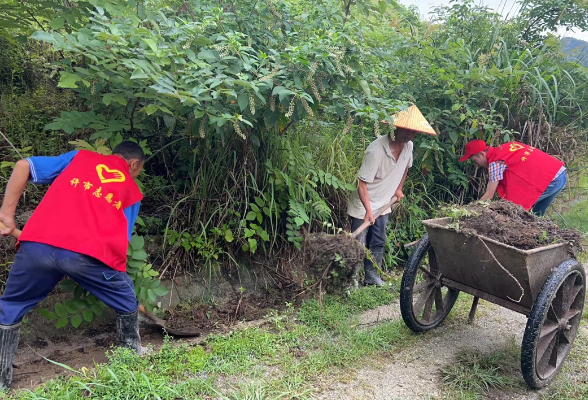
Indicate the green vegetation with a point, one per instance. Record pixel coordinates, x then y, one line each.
474 373
255 114
281 361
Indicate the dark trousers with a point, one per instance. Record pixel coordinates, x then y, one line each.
39 267
373 238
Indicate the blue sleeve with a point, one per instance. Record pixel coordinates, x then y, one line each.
132 212
44 169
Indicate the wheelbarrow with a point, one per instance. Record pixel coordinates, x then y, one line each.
546 284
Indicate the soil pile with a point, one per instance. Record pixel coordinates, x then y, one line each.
510 224
206 318
331 261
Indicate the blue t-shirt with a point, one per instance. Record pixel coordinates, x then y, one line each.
45 169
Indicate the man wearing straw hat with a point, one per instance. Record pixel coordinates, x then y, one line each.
381 176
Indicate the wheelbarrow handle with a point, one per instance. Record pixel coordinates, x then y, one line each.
15 233
376 215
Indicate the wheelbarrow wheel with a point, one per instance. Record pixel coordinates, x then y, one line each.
424 300
553 324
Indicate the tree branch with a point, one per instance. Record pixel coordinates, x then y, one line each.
347 8
134 109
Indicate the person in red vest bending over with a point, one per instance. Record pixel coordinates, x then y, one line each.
519 173
80 229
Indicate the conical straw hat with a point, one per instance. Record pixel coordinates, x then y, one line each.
412 119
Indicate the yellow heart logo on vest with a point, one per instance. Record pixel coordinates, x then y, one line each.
117 176
515 147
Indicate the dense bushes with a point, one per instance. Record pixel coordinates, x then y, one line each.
257 112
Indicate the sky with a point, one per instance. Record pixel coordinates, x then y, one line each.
504 7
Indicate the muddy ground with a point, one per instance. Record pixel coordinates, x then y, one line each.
85 347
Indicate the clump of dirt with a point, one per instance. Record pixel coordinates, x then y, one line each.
510 224
205 318
331 261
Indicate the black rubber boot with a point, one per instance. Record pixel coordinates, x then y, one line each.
371 273
8 343
127 330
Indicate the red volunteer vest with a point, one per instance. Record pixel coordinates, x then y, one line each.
529 171
83 209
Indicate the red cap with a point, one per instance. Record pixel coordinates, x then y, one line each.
473 147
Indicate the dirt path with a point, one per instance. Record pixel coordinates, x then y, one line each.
414 373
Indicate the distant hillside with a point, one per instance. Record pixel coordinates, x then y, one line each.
576 49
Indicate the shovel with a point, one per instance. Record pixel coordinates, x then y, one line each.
365 224
157 321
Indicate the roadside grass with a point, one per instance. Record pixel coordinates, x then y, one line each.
475 374
283 360
572 381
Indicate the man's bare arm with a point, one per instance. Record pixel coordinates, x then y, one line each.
363 196
16 185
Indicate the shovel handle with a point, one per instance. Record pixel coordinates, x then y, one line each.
15 233
376 215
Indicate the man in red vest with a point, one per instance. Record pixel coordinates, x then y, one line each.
519 173
81 229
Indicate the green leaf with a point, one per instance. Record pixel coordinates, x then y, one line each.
150 109
251 215
68 80
249 232
139 255
137 242
136 264
264 235
61 323
160 290
299 221
229 235
47 314
207 55
57 23
76 320
97 309
67 285
61 311
44 37
252 244
453 136
365 86
151 44
71 308
243 101
139 74
88 315
152 295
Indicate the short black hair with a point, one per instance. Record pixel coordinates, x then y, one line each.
130 151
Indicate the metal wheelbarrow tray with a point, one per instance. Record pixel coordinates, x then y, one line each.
546 284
